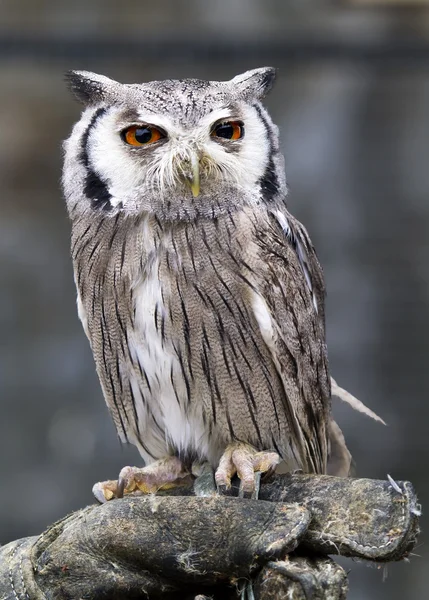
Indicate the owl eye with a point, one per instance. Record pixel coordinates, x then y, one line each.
228 130
141 135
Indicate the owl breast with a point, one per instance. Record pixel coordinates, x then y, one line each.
201 374
160 387
200 338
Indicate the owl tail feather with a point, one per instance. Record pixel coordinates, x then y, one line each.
356 404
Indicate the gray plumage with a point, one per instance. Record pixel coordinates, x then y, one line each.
205 310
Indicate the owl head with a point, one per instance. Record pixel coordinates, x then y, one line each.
180 149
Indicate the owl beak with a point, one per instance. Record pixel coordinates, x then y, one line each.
194 180
191 172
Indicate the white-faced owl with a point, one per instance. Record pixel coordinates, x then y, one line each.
201 295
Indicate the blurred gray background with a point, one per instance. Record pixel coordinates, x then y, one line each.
352 103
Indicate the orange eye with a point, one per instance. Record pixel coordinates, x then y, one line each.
141 135
229 130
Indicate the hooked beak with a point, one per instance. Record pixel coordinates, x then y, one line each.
191 172
195 178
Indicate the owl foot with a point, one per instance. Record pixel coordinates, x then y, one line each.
242 459
163 474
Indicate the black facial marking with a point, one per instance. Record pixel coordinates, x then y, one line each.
83 156
95 189
269 182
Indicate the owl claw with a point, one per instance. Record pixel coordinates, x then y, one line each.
222 488
255 494
242 459
120 487
162 474
104 491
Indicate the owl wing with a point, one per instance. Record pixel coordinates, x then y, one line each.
293 327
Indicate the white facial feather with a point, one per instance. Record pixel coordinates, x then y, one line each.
110 158
74 171
125 173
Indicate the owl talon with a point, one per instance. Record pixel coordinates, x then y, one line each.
255 494
162 474
244 494
120 487
104 491
242 459
224 490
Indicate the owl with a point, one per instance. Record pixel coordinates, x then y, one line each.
201 295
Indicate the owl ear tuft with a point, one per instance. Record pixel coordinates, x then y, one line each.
255 83
89 88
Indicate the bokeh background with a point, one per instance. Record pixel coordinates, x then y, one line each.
352 103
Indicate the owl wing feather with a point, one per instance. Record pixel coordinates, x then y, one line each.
294 298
